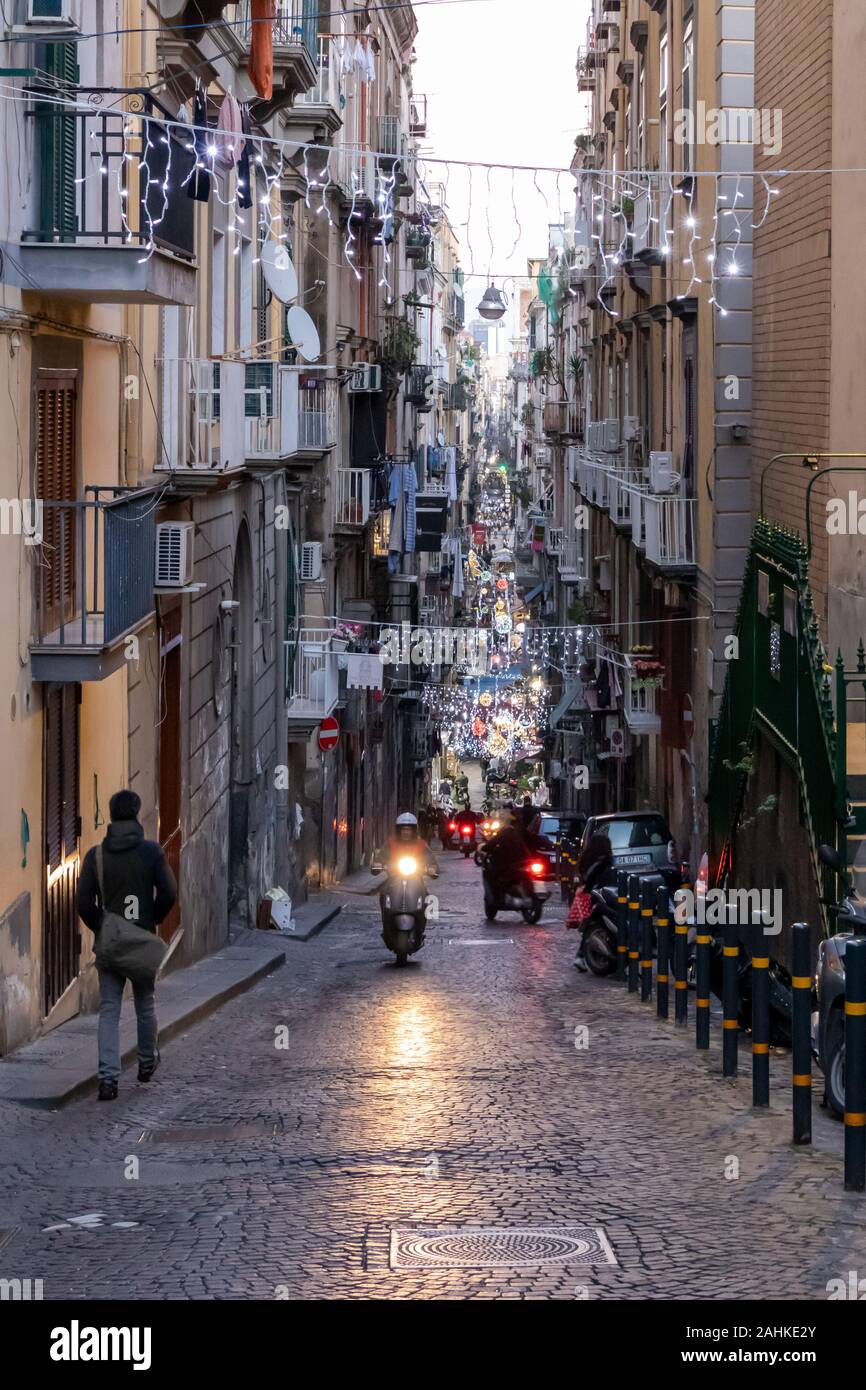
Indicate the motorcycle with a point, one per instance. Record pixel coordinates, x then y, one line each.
828 1018
403 900
527 895
600 930
468 840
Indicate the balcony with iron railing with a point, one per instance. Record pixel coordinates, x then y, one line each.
112 222
639 702
295 45
571 562
555 418
220 416
420 387
418 116
321 103
351 498
669 524
312 676
94 582
354 172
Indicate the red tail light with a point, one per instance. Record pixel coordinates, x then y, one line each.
536 868
452 825
466 830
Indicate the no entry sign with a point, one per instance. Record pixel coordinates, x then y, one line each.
329 733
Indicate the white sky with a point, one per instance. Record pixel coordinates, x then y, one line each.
501 86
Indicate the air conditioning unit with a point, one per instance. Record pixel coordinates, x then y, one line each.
593 435
610 436
631 428
311 561
662 477
174 558
44 12
366 376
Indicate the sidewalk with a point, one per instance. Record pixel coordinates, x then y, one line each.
61 1066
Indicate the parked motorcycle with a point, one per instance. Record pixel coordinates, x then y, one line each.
828 1018
403 901
600 930
527 895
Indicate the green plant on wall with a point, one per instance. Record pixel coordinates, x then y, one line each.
400 345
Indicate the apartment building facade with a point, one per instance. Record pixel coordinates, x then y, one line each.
204 275
651 390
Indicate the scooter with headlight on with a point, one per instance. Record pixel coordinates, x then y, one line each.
403 900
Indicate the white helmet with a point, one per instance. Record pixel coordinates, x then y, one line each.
407 819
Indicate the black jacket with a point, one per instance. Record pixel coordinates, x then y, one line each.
131 867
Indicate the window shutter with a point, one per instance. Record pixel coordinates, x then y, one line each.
56 481
71 830
57 148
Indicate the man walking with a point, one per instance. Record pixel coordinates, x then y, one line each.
139 885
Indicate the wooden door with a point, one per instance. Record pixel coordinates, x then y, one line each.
170 754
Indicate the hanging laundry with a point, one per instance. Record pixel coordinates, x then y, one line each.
401 496
261 64
246 167
369 63
451 472
227 139
198 184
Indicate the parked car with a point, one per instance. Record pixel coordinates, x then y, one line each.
562 828
641 842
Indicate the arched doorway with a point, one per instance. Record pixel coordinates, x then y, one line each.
241 730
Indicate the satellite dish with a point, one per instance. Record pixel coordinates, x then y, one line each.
279 272
171 9
303 333
440 439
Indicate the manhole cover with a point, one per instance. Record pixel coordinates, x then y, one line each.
201 1134
498 1247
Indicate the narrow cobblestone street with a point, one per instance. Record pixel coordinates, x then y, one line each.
448 1093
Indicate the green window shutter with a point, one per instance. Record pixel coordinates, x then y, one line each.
57 135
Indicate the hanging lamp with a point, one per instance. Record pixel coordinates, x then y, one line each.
493 303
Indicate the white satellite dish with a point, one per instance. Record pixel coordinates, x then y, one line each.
171 9
440 439
279 272
303 333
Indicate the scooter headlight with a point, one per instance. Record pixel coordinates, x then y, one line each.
407 866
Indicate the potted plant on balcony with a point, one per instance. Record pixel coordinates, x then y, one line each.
397 355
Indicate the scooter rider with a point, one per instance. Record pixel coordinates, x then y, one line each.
407 840
506 856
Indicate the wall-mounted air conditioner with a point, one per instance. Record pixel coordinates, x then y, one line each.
630 428
662 477
174 557
44 12
594 433
366 376
311 561
610 439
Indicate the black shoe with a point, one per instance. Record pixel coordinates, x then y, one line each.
107 1090
146 1072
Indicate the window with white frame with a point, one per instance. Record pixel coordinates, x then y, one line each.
663 101
688 95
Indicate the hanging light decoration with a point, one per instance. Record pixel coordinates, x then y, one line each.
493 303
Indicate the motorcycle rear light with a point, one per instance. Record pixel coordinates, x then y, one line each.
536 868
466 830
452 825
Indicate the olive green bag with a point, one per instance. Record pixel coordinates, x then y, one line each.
124 946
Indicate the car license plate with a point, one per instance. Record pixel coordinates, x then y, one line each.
634 859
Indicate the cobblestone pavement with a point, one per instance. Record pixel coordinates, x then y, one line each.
450 1093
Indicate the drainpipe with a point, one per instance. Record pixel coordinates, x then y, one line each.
281 742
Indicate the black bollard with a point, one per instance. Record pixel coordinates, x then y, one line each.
622 923
760 1017
633 933
730 998
703 946
646 942
855 1065
663 951
681 983
801 1032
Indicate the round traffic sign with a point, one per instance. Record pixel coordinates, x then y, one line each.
329 733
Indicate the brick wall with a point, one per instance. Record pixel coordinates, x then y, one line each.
792 292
